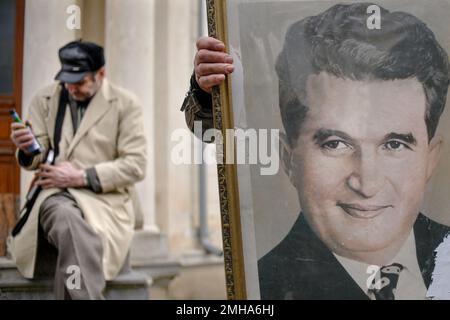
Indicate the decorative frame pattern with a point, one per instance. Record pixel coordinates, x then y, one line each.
227 176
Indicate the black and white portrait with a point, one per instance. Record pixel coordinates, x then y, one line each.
359 206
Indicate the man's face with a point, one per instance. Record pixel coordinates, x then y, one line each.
86 88
362 161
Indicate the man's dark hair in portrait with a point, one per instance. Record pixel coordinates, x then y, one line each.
338 42
335 50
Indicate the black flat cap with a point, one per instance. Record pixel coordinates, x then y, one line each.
78 58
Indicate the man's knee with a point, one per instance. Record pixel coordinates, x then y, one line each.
58 215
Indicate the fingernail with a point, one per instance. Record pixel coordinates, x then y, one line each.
229 59
229 69
219 46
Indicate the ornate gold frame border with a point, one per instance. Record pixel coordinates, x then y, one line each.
227 173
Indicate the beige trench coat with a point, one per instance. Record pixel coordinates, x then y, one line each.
111 139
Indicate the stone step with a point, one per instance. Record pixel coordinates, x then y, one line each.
127 286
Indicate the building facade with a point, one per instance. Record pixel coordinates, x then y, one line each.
149 47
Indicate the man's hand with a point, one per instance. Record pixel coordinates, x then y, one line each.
22 136
211 63
62 175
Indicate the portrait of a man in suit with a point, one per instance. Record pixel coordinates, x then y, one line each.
360 107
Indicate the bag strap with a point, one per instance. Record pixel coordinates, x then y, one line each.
62 107
34 192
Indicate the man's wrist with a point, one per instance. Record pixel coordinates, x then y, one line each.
83 180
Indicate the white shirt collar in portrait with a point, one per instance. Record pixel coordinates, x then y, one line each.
410 283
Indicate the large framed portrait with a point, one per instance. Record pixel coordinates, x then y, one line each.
336 183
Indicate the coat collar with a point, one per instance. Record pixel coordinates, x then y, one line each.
302 268
323 269
98 106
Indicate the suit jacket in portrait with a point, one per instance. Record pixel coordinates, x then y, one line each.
302 267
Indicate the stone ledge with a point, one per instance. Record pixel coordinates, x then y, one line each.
128 286
6 263
195 259
148 246
159 268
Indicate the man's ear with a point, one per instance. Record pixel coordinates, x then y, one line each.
434 152
101 73
286 155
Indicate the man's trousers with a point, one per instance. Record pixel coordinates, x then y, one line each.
79 268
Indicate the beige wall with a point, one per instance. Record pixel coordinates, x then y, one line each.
180 194
93 19
129 41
